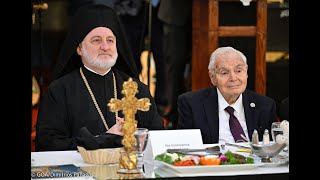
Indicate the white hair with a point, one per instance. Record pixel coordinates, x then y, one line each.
221 50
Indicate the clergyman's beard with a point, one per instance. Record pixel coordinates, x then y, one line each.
101 63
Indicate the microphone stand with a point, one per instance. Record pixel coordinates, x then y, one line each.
149 41
40 6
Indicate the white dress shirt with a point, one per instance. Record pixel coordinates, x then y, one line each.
224 128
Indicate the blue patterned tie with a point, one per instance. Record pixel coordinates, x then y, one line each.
235 126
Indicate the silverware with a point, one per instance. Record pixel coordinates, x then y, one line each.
238 146
245 138
217 153
210 150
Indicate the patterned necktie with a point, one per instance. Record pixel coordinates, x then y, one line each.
235 126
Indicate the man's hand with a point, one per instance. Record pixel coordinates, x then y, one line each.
116 129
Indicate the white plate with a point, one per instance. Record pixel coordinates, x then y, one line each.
207 169
275 161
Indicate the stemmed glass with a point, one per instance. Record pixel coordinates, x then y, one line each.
141 136
275 130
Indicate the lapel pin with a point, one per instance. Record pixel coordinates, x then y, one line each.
252 105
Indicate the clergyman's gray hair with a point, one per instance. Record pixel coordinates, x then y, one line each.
220 50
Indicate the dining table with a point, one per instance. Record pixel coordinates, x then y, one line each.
277 169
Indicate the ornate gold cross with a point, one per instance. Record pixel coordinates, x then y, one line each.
129 105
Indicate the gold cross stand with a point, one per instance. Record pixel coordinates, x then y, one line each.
129 105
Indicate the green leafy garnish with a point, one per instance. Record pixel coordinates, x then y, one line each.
169 158
249 160
234 158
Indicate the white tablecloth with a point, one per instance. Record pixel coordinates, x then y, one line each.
73 157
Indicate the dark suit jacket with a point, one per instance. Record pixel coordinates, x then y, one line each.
284 109
199 110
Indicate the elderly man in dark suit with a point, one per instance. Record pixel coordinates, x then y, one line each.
207 109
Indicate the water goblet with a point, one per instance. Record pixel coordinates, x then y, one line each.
275 130
141 135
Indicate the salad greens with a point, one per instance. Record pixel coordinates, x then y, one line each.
227 158
169 158
233 158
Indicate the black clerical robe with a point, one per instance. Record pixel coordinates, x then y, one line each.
67 107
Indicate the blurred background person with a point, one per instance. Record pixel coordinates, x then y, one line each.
284 109
177 26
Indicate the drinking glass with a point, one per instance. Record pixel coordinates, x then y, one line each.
275 130
141 136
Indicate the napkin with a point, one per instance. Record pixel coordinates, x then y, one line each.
91 142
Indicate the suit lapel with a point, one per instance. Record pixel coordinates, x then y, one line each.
251 112
210 105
